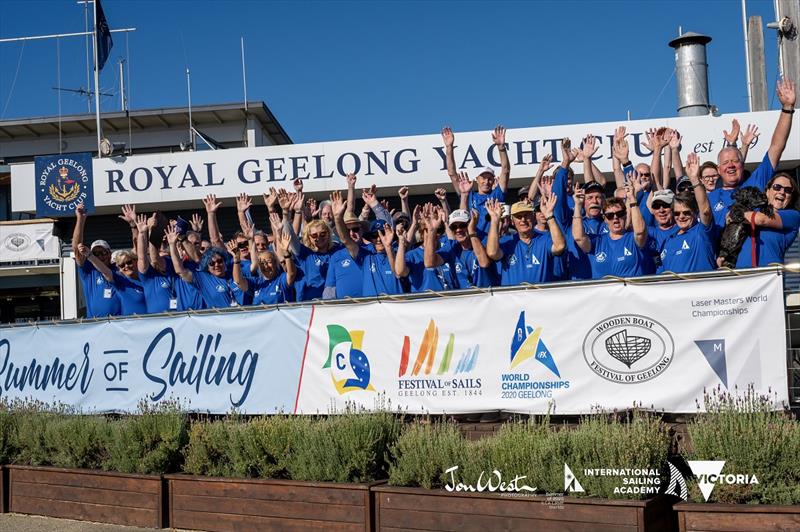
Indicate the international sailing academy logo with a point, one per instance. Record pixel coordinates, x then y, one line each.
628 348
349 365
62 182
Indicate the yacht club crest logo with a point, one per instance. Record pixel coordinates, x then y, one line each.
628 348
62 182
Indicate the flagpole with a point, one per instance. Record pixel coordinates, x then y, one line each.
96 82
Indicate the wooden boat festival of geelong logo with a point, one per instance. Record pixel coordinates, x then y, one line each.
628 348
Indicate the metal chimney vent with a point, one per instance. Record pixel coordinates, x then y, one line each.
691 71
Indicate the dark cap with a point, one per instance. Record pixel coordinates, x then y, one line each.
594 186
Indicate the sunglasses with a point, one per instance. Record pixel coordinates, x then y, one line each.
657 205
126 264
354 229
777 188
457 226
216 262
683 187
678 214
616 214
644 174
317 235
242 245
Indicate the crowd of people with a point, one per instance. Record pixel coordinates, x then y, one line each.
554 229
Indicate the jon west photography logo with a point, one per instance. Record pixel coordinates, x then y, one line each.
628 348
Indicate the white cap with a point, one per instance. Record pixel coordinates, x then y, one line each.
487 170
100 244
458 216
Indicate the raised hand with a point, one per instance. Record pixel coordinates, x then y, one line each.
620 149
566 150
499 136
284 241
153 221
270 199
547 163
142 223
298 200
417 214
650 134
249 230
464 183
546 186
83 251
275 220
298 185
578 194
172 234
448 137
786 93
635 185
619 134
548 205
338 204
403 193
675 139
284 200
733 136
243 202
386 235
197 223
590 147
749 135
211 203
494 208
233 248
351 180
472 225
440 193
577 155
128 214
369 196
80 210
692 166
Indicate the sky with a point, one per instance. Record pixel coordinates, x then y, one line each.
332 70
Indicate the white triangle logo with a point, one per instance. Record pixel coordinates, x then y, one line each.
571 483
707 472
685 245
627 253
534 260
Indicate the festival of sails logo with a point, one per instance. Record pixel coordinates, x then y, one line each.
628 348
349 365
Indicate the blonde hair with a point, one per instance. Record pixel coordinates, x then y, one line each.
122 254
318 225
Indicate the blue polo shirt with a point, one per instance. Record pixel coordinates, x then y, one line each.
465 265
131 295
421 278
218 292
159 288
314 266
721 199
527 263
344 274
771 244
189 296
578 264
655 245
377 275
621 257
101 295
270 292
692 251
477 201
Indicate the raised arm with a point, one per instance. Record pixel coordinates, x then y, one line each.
441 195
664 182
449 139
243 204
370 197
559 243
77 233
544 166
238 276
402 193
211 204
432 219
298 198
351 192
477 246
142 245
400 267
703 206
101 267
634 187
733 136
387 238
495 210
499 139
747 137
657 143
787 96
339 206
620 152
283 243
675 149
177 263
463 188
578 232
129 217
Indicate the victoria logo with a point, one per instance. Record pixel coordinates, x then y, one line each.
628 348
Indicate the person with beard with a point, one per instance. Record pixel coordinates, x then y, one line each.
774 234
526 257
621 251
730 162
691 248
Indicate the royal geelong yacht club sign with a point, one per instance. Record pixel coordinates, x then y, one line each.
176 178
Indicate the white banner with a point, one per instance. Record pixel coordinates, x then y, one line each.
566 350
249 361
28 241
174 179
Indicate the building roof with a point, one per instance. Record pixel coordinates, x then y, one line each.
140 119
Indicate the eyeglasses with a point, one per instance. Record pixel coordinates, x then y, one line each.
614 214
777 188
318 235
678 214
709 177
657 205
216 262
354 229
644 174
457 226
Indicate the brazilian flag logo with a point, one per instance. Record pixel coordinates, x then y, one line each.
348 364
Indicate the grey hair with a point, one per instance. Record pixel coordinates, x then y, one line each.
738 153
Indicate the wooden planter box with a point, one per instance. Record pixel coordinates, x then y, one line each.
421 509
225 504
3 489
737 517
87 495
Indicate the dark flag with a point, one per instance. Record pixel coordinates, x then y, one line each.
103 37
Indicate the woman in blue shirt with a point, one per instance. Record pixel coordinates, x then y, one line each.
691 248
129 289
774 234
622 251
312 257
271 285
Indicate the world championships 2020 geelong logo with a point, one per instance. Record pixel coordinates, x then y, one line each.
628 348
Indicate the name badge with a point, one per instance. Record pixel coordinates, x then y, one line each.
107 293
173 304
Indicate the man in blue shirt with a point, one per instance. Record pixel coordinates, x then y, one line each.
731 164
489 186
466 255
100 294
527 257
418 264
